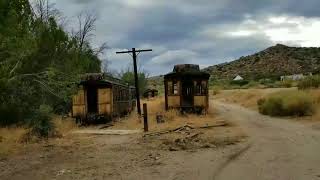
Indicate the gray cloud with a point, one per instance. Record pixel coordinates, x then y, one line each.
206 32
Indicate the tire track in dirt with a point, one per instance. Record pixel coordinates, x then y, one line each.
280 149
230 159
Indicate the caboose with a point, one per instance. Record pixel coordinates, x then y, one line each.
100 99
186 88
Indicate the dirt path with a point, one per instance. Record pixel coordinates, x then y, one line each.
280 149
276 149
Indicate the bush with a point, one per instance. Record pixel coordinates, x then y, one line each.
41 123
286 84
309 82
287 103
216 90
251 84
239 82
266 81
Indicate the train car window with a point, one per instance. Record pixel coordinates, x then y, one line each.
117 94
204 88
175 88
198 88
170 88
133 94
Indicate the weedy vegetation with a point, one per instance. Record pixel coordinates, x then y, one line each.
289 103
310 82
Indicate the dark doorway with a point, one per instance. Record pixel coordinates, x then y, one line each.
187 93
92 99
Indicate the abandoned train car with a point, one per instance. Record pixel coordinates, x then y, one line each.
99 99
186 88
150 93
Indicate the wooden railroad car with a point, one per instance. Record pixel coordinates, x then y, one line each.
150 93
186 88
99 99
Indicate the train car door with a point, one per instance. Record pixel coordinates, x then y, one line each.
92 99
187 93
104 101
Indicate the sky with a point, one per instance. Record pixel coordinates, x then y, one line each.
204 32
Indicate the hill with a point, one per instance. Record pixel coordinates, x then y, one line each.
272 62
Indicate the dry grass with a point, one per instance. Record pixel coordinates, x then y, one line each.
13 139
316 97
64 125
172 118
10 140
249 97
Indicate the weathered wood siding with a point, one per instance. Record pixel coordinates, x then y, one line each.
173 101
79 104
200 101
104 101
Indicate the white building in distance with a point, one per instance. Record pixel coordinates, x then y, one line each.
238 78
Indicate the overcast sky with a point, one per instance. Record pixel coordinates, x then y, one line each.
204 32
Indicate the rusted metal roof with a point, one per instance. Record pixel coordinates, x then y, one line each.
187 70
102 79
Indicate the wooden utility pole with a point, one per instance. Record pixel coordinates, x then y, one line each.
136 79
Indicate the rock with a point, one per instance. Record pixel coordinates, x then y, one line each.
206 146
63 171
173 149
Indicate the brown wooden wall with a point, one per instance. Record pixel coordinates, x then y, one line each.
173 101
200 101
79 104
104 101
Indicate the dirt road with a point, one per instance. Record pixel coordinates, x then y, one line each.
280 149
276 149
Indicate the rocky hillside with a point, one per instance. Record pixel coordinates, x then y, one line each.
270 63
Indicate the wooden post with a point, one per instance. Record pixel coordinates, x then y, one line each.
145 117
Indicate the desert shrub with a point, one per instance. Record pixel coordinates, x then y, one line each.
286 84
287 103
266 81
239 82
251 84
309 82
216 90
41 124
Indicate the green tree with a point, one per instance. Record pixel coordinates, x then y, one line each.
128 77
39 61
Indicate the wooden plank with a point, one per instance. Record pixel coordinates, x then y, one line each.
200 101
104 101
174 101
78 104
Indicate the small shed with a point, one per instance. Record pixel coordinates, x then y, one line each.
150 93
187 88
238 78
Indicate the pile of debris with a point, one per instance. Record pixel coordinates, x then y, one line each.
186 137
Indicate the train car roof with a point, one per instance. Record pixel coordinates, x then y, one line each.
101 79
104 82
187 70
